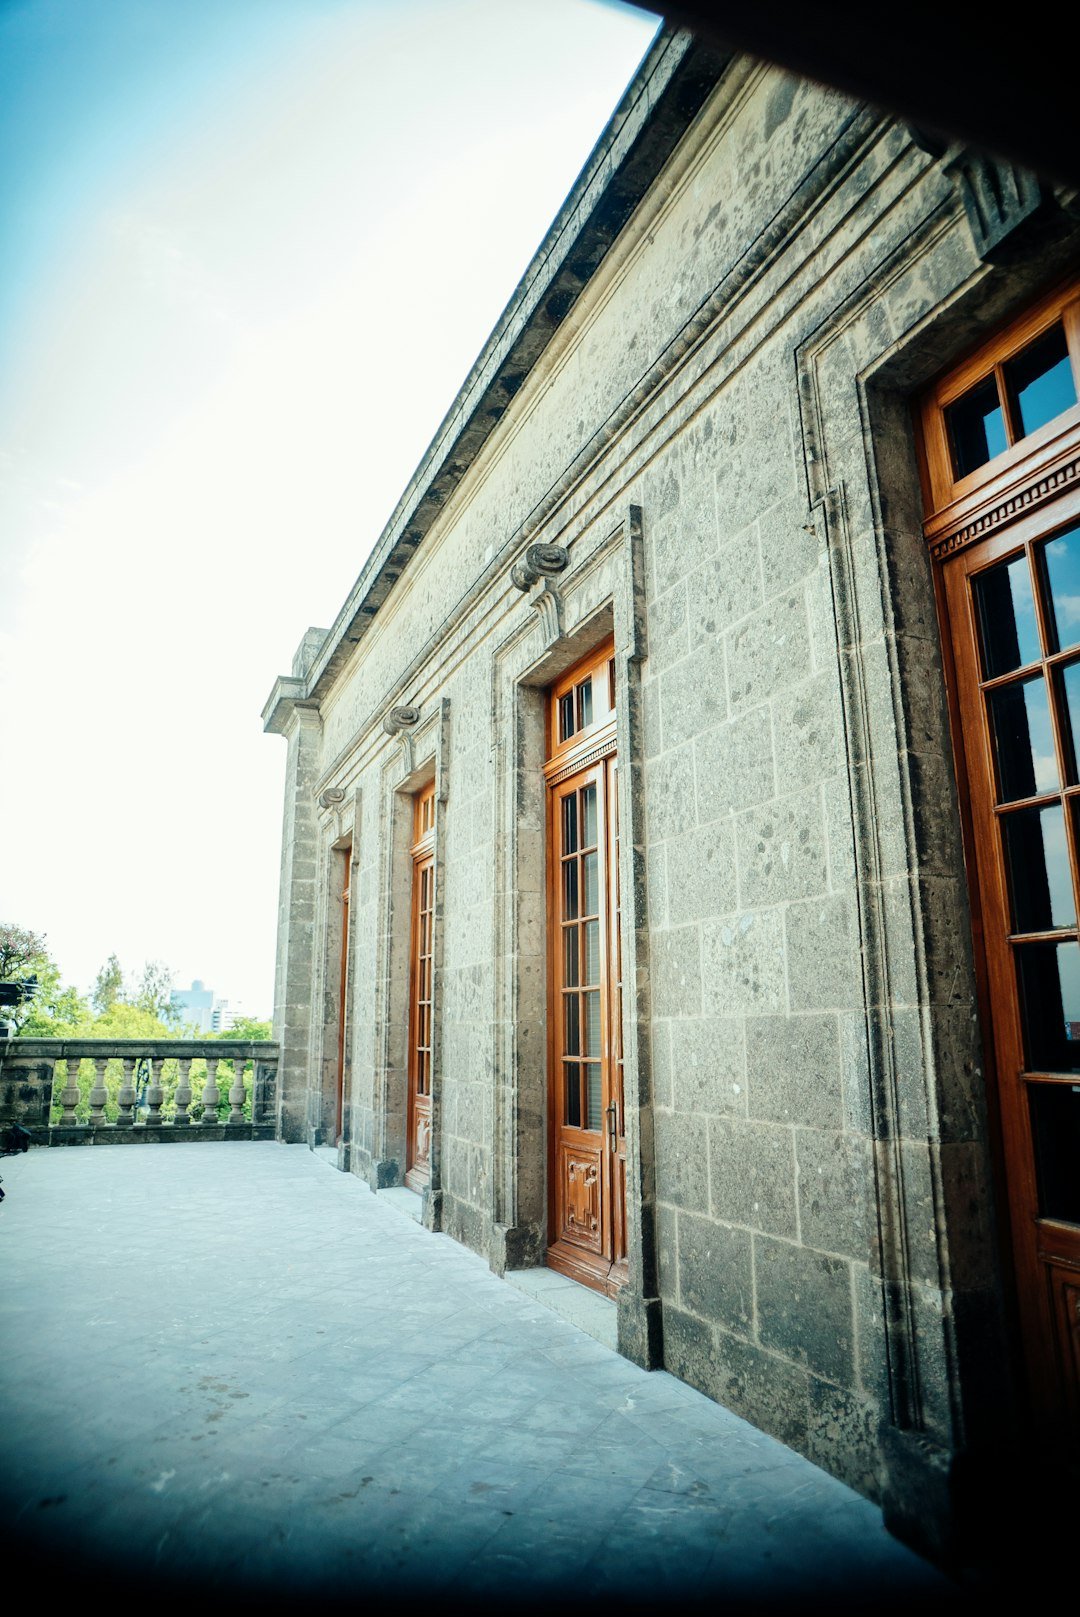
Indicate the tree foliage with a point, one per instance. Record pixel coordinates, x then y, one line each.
108 986
248 1027
114 1011
153 994
20 949
54 1010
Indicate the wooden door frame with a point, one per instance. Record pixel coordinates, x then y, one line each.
603 594
422 854
572 764
1012 501
346 852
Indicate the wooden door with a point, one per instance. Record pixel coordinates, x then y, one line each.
587 1168
1000 435
421 997
1013 606
343 994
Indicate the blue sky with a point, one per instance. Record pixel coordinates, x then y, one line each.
248 252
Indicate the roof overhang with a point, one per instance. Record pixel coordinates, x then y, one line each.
669 89
1008 89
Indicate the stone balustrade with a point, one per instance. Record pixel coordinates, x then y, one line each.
139 1089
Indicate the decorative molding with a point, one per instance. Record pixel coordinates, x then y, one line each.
904 1347
882 794
1025 499
928 140
534 574
637 606
677 76
400 722
856 134
998 198
539 561
332 796
442 753
582 760
549 603
399 719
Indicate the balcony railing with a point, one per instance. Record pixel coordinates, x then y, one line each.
79 1091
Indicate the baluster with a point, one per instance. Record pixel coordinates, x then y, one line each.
154 1092
183 1094
98 1093
126 1097
69 1099
210 1092
236 1092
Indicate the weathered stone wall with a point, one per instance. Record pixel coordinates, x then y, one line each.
812 1202
293 977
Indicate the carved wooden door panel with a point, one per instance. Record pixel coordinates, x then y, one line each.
1014 612
587 1235
421 997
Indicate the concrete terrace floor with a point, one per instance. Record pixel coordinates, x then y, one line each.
229 1370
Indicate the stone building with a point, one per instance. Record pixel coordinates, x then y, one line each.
651 898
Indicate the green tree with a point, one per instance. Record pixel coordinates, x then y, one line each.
248 1027
108 986
20 949
55 1011
126 1021
154 995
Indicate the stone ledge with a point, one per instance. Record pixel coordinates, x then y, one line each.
147 1133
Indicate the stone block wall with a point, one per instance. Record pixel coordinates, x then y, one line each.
811 1174
762 1157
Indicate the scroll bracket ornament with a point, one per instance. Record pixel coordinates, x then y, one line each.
401 722
1001 201
535 574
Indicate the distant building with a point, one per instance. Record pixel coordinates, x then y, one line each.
222 1018
199 1008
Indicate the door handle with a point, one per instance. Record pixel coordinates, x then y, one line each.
612 1112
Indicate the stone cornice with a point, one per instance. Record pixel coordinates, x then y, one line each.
672 85
288 694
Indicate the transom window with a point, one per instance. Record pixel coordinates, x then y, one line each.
583 702
1018 393
1018 397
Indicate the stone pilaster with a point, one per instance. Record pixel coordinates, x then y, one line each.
290 713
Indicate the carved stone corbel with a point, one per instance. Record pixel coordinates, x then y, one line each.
400 722
332 796
999 198
539 561
535 573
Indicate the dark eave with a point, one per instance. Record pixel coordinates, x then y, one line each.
1008 88
665 96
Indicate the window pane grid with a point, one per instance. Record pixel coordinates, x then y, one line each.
1032 388
1027 617
424 879
580 896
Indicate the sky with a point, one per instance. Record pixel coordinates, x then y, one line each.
249 250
